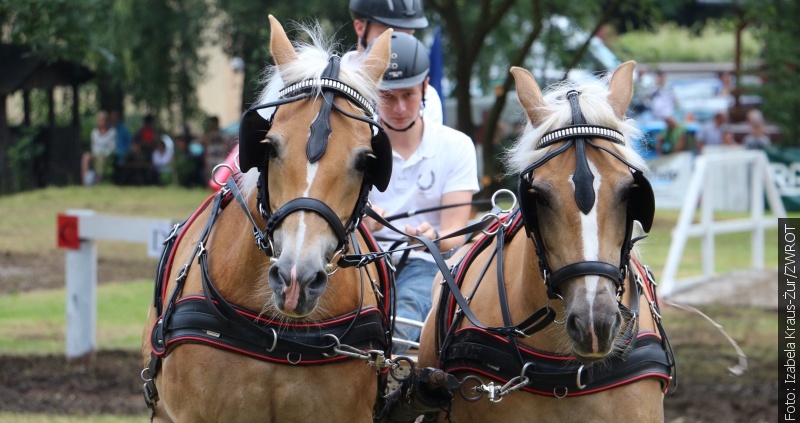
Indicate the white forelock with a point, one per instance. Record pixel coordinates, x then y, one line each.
594 105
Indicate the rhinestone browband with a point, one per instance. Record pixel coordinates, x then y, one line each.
333 84
581 131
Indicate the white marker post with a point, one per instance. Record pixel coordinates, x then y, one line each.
78 232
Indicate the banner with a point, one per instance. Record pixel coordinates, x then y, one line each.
669 175
784 165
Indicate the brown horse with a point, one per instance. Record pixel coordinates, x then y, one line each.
279 328
561 340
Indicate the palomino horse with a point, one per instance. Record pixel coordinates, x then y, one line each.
553 331
278 329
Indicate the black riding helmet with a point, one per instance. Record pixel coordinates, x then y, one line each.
402 14
409 63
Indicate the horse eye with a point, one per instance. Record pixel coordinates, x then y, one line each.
363 161
272 147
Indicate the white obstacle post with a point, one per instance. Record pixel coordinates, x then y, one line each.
81 287
78 232
700 189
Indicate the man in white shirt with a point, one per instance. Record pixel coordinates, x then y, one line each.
433 165
662 100
372 17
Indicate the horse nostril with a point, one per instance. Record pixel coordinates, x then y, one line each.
276 276
607 328
319 281
573 326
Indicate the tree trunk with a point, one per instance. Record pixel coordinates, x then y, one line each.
491 150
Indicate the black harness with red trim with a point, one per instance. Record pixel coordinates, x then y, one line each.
499 357
209 319
494 351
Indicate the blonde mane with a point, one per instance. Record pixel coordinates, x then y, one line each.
594 104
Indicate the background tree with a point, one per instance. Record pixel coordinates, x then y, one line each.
244 31
781 63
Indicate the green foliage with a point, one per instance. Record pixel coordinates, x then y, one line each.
54 29
715 42
244 30
781 68
21 156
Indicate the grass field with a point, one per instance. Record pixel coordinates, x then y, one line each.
34 321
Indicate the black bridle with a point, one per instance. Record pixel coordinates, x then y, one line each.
641 203
254 153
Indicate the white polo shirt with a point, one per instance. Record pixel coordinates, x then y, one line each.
444 162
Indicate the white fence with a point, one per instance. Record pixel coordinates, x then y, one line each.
79 231
710 173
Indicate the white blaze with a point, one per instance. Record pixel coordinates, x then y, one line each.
590 234
311 173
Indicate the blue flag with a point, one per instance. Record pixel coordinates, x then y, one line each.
437 66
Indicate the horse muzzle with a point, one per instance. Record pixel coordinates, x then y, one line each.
296 289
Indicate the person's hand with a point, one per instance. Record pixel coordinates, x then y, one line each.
424 229
371 223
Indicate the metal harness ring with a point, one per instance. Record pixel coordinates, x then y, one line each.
214 173
490 216
505 191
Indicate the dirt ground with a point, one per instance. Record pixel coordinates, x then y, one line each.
109 382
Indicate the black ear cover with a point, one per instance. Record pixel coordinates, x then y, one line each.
642 201
379 171
252 131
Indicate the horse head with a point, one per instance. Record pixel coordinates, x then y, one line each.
580 192
318 151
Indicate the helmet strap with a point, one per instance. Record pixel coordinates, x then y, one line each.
363 39
400 130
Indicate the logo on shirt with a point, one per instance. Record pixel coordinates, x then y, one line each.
425 182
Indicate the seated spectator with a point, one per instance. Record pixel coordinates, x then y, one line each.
713 131
727 87
123 141
757 136
673 138
93 164
162 158
662 100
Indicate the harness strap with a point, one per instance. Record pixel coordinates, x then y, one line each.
312 205
584 268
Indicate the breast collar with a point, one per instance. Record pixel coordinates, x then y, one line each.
209 319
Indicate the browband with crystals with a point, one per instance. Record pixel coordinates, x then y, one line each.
326 83
581 131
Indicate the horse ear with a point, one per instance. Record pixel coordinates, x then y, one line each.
279 45
378 57
530 96
621 88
